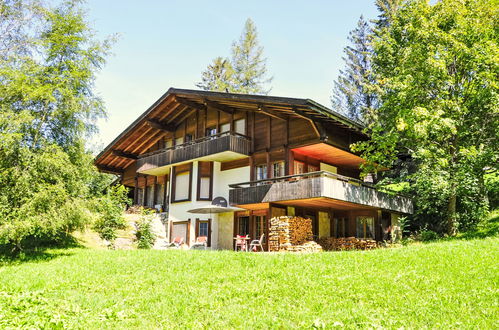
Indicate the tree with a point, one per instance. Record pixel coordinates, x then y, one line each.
351 94
218 76
47 109
249 64
246 72
387 9
436 73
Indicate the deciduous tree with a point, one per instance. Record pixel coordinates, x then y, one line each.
436 72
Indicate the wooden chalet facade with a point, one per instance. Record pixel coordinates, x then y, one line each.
270 156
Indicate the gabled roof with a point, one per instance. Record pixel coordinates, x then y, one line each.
177 104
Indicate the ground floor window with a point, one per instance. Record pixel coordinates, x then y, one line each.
261 225
203 229
365 227
243 225
341 227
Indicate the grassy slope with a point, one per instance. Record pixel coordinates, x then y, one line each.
445 284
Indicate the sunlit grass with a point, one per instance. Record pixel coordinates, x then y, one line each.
444 284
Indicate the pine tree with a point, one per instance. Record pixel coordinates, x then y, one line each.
244 73
249 64
218 76
351 95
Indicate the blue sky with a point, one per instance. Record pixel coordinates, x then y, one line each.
165 44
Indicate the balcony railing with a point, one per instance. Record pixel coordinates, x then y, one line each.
316 185
206 146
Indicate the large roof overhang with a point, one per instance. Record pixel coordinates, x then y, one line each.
175 105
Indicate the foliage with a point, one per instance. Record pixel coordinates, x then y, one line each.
428 235
351 94
436 75
218 76
143 230
109 209
245 72
424 286
48 61
492 187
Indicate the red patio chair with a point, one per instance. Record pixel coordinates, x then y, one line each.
241 243
177 242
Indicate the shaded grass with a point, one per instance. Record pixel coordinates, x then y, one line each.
444 284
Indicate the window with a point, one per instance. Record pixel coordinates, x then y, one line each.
243 226
182 183
168 143
205 178
365 227
224 128
299 167
211 131
313 168
203 229
160 194
179 140
278 169
261 172
261 225
188 138
150 196
341 227
240 126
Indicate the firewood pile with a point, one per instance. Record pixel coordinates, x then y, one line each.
346 243
292 234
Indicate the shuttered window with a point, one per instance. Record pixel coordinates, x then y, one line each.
182 183
205 178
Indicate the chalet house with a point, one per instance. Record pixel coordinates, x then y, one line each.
269 156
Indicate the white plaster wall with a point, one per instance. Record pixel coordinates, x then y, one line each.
221 181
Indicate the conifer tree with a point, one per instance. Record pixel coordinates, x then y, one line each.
250 71
351 95
245 72
218 76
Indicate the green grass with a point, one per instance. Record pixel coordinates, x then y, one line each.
444 284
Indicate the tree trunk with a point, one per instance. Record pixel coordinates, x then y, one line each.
451 215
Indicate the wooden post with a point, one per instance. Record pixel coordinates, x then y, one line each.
136 190
155 191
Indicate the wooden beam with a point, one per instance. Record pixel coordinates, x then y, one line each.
190 103
109 169
168 128
122 154
303 115
263 109
219 107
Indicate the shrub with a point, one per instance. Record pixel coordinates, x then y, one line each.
110 213
144 234
428 235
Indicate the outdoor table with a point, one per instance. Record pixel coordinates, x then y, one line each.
245 243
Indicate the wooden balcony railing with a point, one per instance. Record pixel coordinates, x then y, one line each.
316 185
209 145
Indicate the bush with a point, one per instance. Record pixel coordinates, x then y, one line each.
144 235
110 209
428 235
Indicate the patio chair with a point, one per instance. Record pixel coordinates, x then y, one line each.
177 242
257 243
241 243
200 244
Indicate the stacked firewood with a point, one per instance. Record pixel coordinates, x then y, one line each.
292 234
346 243
309 246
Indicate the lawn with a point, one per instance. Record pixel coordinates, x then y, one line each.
445 284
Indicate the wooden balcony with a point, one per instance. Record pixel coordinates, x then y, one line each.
220 147
317 188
